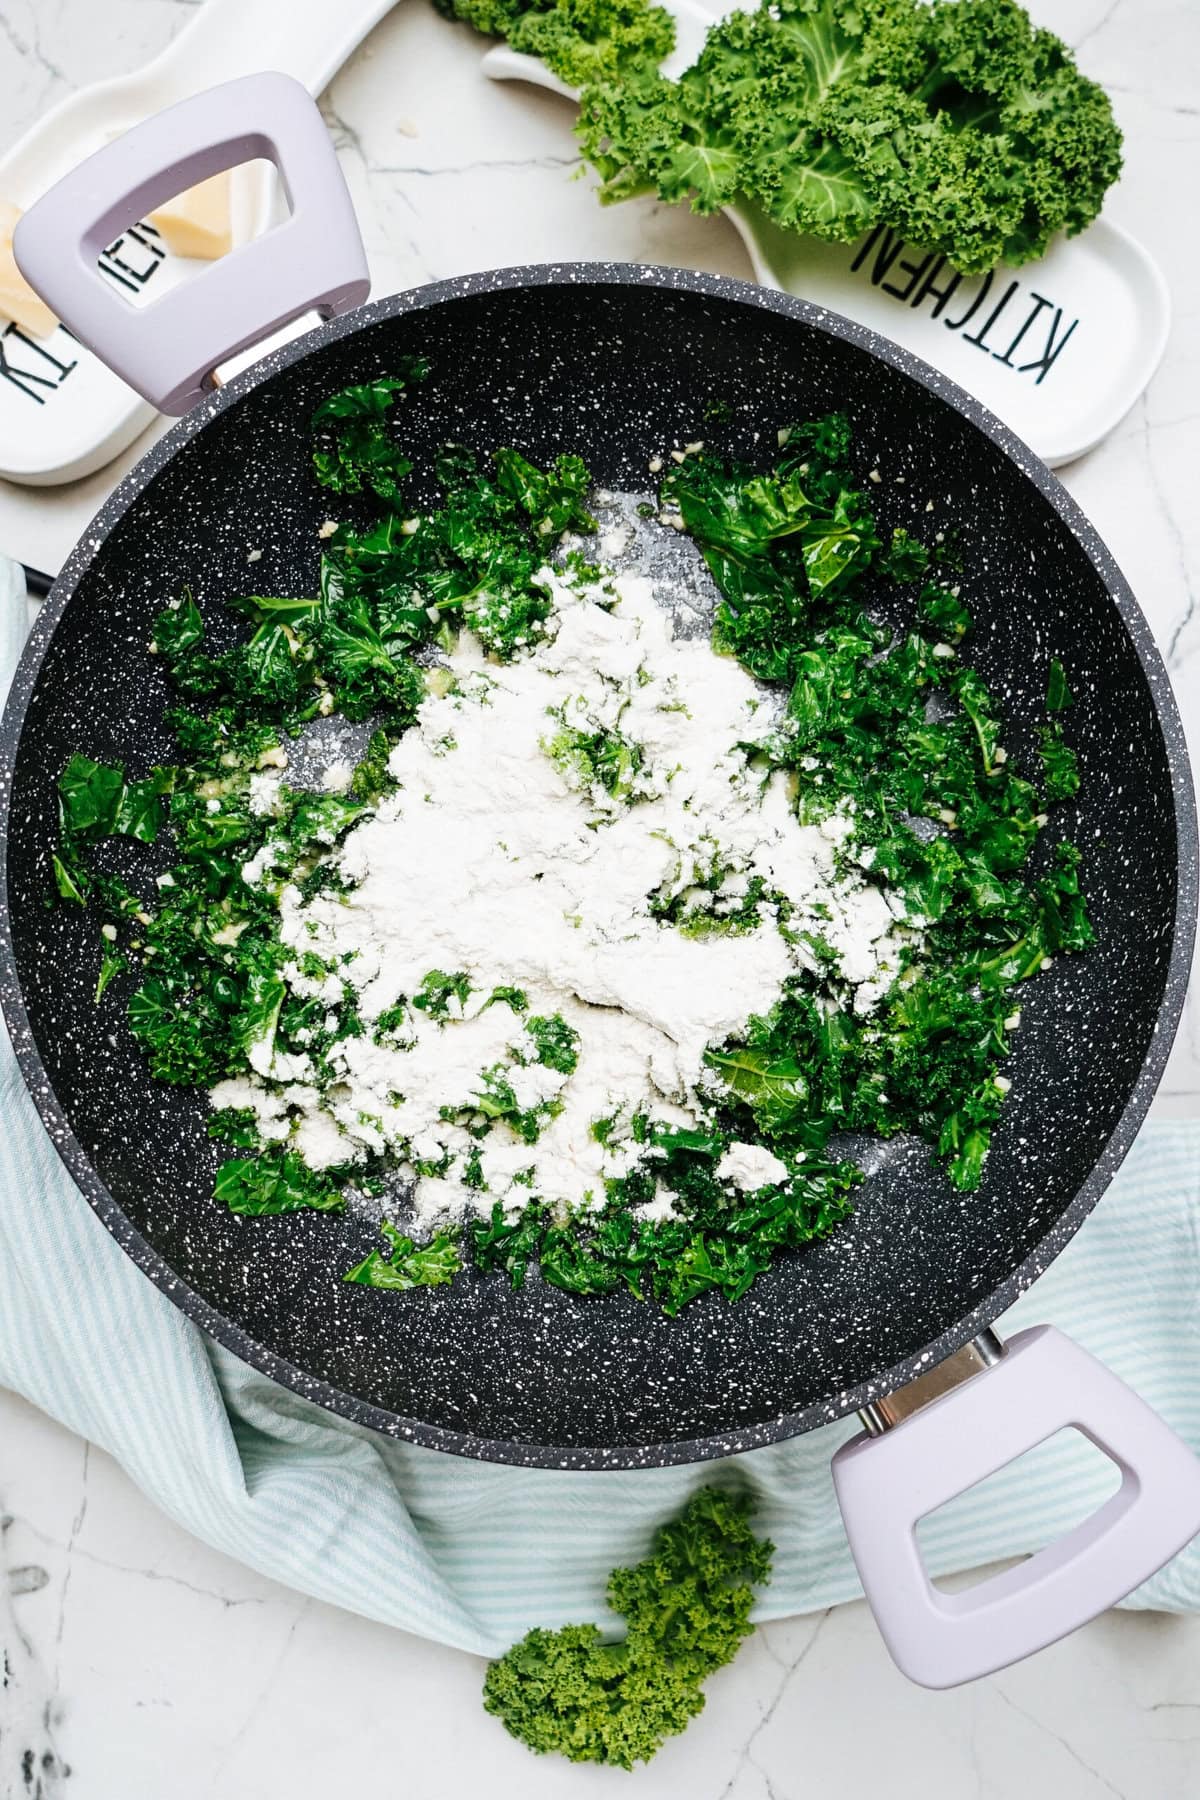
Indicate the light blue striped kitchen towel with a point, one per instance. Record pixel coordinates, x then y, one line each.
472 1554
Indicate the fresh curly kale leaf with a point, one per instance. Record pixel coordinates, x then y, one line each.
958 124
580 40
686 1610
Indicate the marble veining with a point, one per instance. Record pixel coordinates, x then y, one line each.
139 1662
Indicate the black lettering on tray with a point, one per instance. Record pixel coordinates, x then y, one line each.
1006 356
942 294
915 272
889 249
1055 346
977 302
979 338
134 258
930 277
28 380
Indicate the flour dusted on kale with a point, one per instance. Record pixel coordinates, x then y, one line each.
653 913
595 920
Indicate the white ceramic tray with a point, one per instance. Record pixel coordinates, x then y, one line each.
62 413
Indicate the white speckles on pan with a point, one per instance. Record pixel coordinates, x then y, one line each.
620 364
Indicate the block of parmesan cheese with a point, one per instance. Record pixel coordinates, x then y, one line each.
18 301
196 222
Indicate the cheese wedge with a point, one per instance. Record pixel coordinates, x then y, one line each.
197 222
18 301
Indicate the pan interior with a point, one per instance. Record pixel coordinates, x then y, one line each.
614 371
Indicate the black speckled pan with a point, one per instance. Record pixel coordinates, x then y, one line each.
611 362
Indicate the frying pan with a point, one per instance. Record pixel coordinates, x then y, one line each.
890 1315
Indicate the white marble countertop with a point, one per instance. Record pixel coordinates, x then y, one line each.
176 1674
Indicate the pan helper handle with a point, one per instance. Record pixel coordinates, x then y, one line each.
313 262
892 1476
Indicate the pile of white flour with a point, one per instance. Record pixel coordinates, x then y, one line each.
492 860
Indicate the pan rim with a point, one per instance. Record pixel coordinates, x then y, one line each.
724 289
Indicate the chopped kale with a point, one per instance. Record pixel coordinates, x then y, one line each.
602 759
860 729
556 1044
354 448
71 880
405 1264
98 801
390 1022
276 1182
439 992
495 1102
508 1244
1058 693
371 779
1060 766
708 1245
111 964
477 560
513 997
234 1125
945 612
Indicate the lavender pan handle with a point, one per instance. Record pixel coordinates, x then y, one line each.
168 350
885 1484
